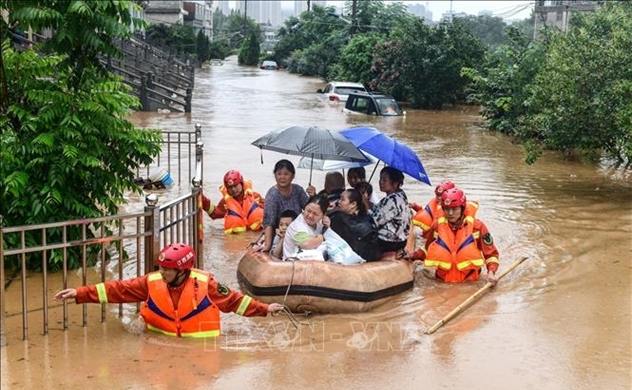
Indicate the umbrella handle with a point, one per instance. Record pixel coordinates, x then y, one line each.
374 169
311 166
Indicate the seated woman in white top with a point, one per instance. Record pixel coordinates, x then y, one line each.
306 231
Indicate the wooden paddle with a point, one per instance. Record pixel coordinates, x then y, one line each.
471 299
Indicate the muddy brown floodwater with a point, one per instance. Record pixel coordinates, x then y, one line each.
561 320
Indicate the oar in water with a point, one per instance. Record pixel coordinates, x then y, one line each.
472 298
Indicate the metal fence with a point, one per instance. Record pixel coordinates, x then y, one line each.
119 246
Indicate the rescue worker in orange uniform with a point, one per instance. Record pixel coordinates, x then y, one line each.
240 206
458 245
426 216
178 300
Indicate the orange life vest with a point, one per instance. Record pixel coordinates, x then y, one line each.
196 315
426 216
455 253
242 216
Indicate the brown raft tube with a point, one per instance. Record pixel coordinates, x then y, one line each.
323 287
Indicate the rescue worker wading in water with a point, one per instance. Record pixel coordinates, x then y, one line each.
458 244
425 216
178 300
240 206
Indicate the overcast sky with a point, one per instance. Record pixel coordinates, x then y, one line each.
438 7
501 8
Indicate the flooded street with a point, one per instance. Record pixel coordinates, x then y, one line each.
561 320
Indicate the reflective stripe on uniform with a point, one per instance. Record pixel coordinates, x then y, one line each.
492 259
245 302
102 293
197 335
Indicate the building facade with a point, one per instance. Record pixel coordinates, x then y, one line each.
164 12
557 13
222 5
266 12
199 15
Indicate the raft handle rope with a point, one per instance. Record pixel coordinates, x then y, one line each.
292 316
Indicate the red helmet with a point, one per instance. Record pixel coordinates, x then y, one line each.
232 178
177 256
453 198
443 186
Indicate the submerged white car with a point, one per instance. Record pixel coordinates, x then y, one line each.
338 91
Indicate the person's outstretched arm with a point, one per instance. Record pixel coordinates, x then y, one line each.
115 291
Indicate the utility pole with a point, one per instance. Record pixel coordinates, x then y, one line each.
309 3
245 16
451 11
354 17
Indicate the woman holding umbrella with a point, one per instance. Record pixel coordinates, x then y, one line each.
392 214
285 195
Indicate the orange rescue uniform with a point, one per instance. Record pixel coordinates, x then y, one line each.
189 310
242 213
458 254
425 216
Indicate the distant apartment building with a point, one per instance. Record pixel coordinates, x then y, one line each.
557 13
452 14
300 6
164 12
421 11
199 15
262 11
222 5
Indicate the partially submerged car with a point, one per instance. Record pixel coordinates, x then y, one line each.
338 91
270 65
372 104
216 62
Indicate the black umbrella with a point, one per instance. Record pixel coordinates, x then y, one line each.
313 142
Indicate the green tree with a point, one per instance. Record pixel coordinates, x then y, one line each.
203 46
488 29
582 97
219 49
503 84
250 50
526 26
311 44
356 58
67 149
179 39
422 64
235 29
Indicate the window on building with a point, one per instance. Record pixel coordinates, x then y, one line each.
558 16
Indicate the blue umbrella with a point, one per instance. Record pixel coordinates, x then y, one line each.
387 149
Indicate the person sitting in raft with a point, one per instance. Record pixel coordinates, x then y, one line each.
240 206
285 195
178 300
306 232
357 175
354 225
392 215
333 187
287 217
366 190
458 243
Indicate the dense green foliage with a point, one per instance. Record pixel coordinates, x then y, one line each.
570 92
250 50
232 30
67 151
384 47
